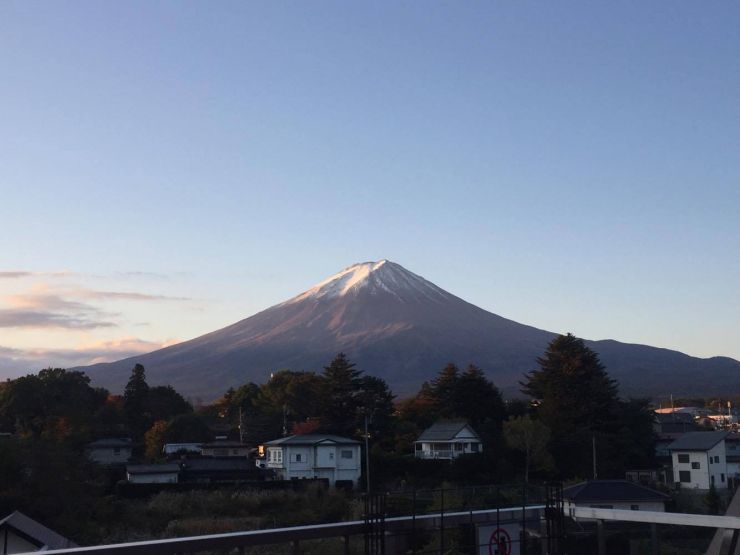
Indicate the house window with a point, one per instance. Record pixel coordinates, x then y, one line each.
297 457
722 477
712 480
331 455
116 451
634 507
683 457
684 476
695 465
474 447
346 453
458 446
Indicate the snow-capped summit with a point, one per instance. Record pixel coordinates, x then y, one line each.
382 275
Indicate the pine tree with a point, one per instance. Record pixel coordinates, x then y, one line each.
342 382
577 399
136 401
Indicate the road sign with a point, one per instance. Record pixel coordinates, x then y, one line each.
499 540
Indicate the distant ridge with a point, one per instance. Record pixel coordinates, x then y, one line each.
403 328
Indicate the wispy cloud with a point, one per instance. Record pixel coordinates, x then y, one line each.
51 306
127 296
20 318
18 274
15 362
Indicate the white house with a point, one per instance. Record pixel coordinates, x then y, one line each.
153 473
447 439
315 456
699 460
109 451
21 534
614 494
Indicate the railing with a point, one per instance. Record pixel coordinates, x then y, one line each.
294 535
436 454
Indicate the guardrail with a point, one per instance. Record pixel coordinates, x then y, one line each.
295 534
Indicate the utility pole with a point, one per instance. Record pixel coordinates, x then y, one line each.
367 457
593 448
241 426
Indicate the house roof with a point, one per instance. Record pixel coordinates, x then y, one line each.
312 439
670 417
698 441
228 464
597 491
168 468
36 531
114 442
445 430
222 444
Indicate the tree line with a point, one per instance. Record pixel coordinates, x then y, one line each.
571 405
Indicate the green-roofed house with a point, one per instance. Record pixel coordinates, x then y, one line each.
447 439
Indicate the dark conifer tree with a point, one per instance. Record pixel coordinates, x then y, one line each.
578 400
342 383
136 402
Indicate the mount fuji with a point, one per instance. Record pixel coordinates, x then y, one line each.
396 325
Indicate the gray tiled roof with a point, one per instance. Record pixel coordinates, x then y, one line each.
40 533
697 441
445 430
123 442
596 491
168 468
312 439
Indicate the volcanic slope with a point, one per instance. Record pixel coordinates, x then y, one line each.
396 325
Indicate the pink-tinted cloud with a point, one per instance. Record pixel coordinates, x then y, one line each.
15 362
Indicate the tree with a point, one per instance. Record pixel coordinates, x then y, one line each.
136 401
530 437
56 404
163 403
341 384
154 440
578 400
713 501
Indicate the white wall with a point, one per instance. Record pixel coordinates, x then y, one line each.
701 477
108 455
15 543
657 506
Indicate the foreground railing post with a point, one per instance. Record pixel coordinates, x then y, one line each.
654 539
601 537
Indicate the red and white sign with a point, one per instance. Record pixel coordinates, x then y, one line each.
499 540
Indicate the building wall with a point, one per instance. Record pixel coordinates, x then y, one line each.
109 455
702 477
15 544
321 461
159 478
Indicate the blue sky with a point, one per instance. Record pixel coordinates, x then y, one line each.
167 168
